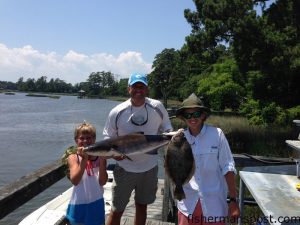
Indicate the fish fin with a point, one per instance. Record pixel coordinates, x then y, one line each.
179 192
171 133
118 153
127 157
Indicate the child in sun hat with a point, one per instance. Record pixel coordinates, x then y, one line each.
206 193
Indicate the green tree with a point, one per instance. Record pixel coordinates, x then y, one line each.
270 47
212 27
95 83
219 89
108 83
101 83
61 86
8 85
51 86
165 70
266 48
41 84
21 84
122 87
30 85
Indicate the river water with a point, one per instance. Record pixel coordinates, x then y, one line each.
35 131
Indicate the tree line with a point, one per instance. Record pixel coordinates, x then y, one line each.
98 84
235 58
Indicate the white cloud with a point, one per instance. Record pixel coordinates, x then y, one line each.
73 67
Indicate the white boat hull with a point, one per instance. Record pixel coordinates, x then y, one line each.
55 210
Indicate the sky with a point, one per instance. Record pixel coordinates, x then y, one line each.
70 39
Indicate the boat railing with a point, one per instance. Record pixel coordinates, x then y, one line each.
25 188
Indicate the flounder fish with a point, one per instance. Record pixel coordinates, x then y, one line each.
179 163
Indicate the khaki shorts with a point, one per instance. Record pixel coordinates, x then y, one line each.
144 184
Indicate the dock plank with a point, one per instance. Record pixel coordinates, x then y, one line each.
130 221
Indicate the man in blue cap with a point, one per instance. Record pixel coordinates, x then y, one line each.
138 114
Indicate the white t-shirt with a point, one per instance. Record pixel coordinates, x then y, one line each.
121 119
213 159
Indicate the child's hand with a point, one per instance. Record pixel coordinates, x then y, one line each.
82 153
178 133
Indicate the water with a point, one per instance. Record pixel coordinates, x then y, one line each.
35 132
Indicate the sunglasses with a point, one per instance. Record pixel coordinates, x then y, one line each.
196 114
137 122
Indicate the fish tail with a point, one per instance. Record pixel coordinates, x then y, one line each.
179 193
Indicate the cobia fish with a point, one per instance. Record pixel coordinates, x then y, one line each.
127 145
179 163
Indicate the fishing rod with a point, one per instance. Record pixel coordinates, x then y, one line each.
273 161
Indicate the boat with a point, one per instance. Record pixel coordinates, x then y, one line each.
54 212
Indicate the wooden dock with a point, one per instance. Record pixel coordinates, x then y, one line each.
129 221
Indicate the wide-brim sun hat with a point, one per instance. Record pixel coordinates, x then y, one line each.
192 102
137 77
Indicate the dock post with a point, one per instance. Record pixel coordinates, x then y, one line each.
241 201
168 212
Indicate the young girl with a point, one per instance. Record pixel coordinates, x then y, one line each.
88 175
206 192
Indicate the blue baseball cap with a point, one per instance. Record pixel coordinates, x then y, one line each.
137 77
